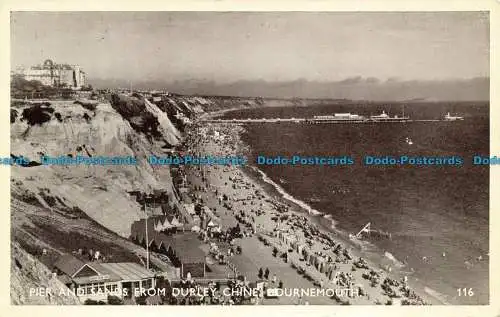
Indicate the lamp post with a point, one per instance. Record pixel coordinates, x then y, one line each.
147 238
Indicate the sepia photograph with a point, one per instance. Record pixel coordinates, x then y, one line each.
250 158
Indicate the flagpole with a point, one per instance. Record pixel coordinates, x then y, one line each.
147 238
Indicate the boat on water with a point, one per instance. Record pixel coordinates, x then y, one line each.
384 117
358 236
367 230
449 117
408 141
314 200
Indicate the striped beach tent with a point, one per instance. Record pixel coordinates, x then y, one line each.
322 267
312 259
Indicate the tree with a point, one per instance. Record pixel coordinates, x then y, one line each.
141 300
114 300
266 274
261 273
93 302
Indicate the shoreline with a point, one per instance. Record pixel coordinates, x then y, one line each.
316 217
432 296
300 217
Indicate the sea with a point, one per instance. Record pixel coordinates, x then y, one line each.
437 216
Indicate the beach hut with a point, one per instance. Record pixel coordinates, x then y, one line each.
312 259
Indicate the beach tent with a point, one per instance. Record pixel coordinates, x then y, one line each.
331 275
286 238
300 248
190 208
166 224
305 252
322 267
195 229
174 222
312 259
211 224
158 226
329 269
280 235
316 261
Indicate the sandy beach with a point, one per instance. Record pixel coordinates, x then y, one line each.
280 236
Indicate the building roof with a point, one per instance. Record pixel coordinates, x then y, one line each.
127 271
104 272
186 245
68 264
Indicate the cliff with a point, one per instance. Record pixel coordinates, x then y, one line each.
64 208
28 275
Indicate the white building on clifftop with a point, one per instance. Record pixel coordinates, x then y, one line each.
56 75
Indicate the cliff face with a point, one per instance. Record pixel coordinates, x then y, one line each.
63 208
127 126
100 191
29 276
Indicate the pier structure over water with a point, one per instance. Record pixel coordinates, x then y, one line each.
314 121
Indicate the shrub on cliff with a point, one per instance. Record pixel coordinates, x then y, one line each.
89 105
37 114
134 111
21 88
13 115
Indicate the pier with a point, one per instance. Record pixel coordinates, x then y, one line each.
315 121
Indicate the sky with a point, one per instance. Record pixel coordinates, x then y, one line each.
271 46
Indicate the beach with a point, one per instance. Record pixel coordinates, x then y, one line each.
280 234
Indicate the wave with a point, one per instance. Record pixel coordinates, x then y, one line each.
331 223
437 295
393 259
286 195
